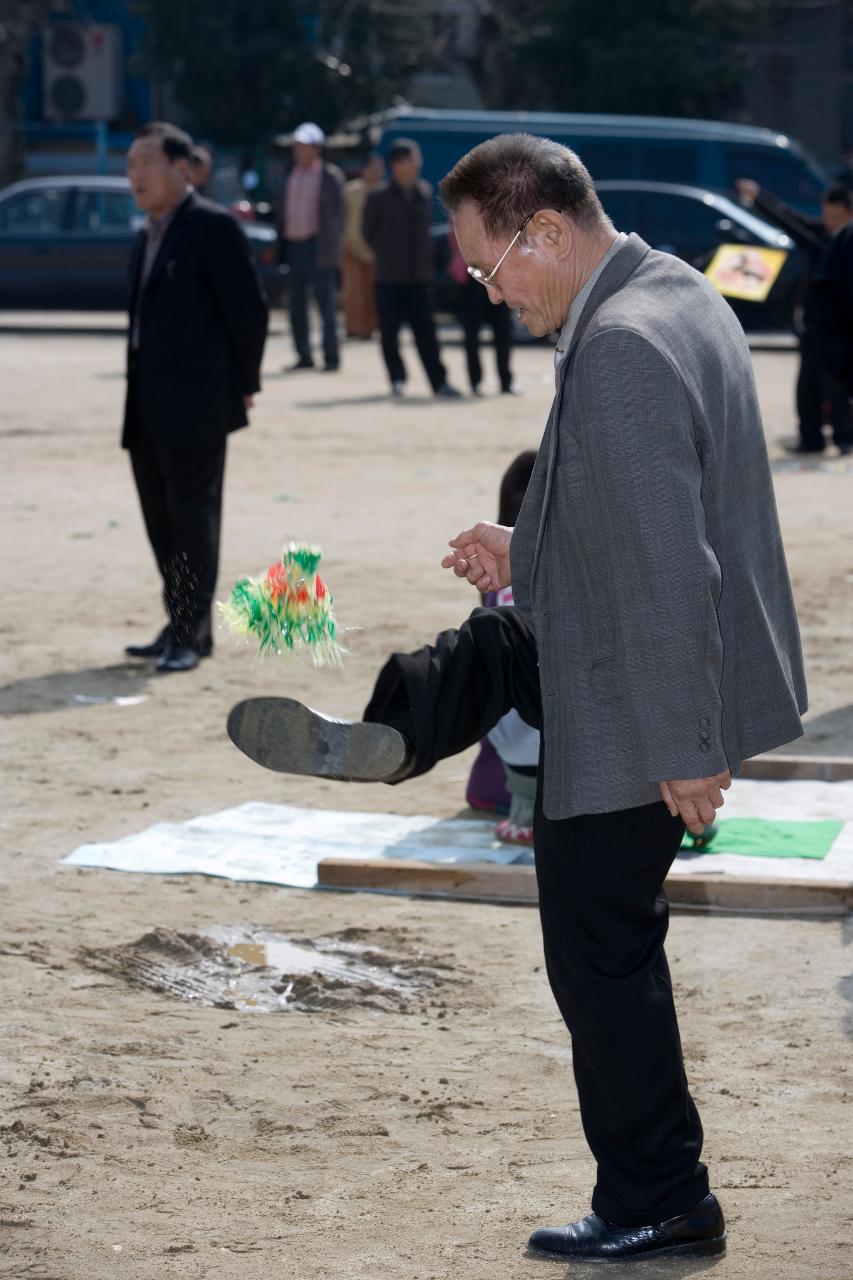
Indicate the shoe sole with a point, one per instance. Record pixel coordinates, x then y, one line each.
284 735
699 1249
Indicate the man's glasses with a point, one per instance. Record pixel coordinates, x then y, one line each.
476 273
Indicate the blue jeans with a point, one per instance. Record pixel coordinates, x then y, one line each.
304 273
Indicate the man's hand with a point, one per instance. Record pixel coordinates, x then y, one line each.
249 402
481 555
747 190
696 800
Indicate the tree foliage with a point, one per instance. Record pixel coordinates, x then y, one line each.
383 42
19 22
662 57
247 69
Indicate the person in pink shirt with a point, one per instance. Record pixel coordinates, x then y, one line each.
312 226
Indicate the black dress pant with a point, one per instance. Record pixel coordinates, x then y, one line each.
180 492
815 385
476 311
604 920
398 304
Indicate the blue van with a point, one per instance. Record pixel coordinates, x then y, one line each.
698 153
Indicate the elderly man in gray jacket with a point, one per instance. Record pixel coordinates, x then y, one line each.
655 643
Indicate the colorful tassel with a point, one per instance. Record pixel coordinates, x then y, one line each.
288 609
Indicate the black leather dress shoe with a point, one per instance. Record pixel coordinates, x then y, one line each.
284 735
178 657
155 649
202 644
698 1233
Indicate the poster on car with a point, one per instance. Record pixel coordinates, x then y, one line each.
745 271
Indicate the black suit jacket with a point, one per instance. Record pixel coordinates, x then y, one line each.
832 307
202 328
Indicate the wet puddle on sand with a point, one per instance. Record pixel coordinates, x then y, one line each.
255 970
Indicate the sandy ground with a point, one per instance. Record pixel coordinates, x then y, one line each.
145 1137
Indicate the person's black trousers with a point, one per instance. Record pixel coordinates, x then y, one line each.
477 310
180 492
815 385
604 919
398 304
304 274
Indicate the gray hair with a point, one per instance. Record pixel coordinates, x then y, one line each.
512 176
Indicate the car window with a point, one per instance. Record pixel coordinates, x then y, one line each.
668 163
621 208
108 211
32 211
680 224
777 171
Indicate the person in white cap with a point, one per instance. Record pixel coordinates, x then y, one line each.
311 225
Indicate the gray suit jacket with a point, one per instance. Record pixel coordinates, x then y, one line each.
647 555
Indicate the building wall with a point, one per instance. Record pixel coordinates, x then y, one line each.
137 89
449 85
799 77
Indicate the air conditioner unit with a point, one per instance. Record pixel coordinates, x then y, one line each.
82 71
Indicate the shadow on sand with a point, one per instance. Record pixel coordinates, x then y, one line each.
89 687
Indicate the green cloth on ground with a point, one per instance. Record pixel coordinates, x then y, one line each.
760 838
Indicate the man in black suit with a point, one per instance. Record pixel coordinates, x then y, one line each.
198 323
816 381
833 293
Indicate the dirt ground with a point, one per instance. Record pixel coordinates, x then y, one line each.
145 1137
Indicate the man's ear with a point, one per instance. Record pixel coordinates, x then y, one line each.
553 231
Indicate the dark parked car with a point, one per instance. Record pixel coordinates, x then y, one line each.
711 154
692 223
65 242
689 222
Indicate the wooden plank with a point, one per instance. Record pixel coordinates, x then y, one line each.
759 893
457 880
490 882
779 768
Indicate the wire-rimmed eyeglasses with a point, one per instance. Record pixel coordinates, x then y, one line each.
476 272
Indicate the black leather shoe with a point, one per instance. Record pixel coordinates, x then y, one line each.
699 1233
284 735
178 657
301 363
155 649
202 644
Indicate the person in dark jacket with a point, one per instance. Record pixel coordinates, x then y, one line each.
198 323
833 308
397 219
312 228
816 383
